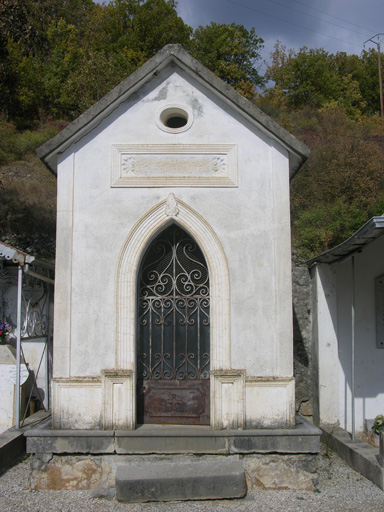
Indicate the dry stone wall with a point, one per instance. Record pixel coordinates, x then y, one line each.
302 337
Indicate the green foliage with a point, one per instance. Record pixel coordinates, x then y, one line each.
58 58
231 51
341 185
15 145
367 75
322 227
26 42
315 78
378 425
155 25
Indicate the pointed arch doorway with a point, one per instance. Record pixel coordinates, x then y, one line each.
173 332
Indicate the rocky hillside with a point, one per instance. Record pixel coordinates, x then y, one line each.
28 207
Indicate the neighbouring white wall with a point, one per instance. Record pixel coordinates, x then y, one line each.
333 338
325 342
369 360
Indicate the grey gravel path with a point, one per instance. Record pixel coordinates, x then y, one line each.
340 489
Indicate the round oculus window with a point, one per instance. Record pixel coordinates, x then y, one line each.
174 119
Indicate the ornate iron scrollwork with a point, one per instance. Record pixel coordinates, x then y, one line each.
174 306
34 308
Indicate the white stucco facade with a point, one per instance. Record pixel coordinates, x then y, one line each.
223 180
341 287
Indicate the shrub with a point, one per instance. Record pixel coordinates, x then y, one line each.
15 145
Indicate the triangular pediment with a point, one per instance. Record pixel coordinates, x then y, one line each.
176 56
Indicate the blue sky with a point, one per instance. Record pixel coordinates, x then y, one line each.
335 25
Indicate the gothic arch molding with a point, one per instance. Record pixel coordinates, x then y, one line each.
156 219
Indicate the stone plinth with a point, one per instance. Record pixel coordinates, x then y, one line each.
147 439
272 458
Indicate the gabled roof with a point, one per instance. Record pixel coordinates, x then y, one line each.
371 230
173 53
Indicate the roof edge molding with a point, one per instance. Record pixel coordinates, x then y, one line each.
369 232
48 152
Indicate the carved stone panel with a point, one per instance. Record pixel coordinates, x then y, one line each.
174 165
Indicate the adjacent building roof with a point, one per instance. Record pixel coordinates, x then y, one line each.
176 55
7 252
371 230
31 265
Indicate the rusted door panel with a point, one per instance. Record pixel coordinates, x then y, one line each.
175 402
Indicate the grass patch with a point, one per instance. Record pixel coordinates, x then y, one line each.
15 145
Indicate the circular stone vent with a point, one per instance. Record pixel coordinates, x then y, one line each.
175 119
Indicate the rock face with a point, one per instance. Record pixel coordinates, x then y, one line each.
107 475
302 337
70 473
282 472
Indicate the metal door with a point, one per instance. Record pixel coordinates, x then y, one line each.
173 331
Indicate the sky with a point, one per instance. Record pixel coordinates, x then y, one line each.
335 25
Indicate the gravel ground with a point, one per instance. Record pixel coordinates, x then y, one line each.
340 489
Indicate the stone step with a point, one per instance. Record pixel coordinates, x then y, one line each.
180 480
171 439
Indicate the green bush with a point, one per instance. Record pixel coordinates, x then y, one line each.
15 145
322 227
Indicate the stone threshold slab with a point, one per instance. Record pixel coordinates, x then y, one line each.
12 441
180 480
359 455
146 439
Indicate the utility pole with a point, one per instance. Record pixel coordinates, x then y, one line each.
377 43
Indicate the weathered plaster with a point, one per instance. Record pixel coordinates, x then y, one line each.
242 228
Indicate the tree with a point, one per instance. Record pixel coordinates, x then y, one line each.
230 51
369 80
157 24
59 57
120 37
26 47
314 78
341 185
307 77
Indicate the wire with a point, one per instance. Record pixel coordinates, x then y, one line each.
316 18
291 23
332 16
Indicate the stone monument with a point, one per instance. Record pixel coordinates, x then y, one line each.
173 306
173 271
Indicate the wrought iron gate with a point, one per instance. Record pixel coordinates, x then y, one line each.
174 346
